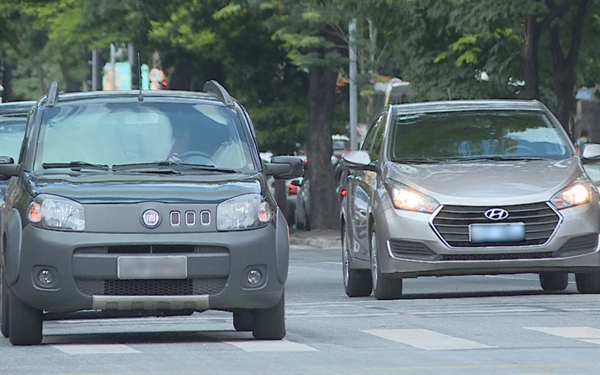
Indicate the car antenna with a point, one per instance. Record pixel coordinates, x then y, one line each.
139 68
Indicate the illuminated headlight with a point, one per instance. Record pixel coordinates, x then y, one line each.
578 193
243 212
405 198
56 213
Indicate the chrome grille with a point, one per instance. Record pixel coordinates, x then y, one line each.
452 223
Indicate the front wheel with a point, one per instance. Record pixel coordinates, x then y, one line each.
554 281
24 324
384 287
269 324
357 283
588 283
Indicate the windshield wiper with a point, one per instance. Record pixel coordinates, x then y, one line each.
416 161
76 166
167 166
496 158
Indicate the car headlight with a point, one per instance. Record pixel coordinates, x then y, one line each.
56 213
405 198
578 193
243 212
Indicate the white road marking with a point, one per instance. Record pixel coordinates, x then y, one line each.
96 349
585 334
426 339
271 346
502 311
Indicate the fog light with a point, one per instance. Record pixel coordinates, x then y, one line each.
254 277
45 276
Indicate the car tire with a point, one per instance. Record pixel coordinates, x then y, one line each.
384 287
25 323
357 283
269 324
554 281
588 283
242 320
4 307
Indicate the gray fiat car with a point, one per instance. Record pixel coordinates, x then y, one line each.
468 188
153 203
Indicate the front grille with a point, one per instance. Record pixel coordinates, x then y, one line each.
113 287
452 223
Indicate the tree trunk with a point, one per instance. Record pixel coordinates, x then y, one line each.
564 66
532 41
73 85
7 94
324 206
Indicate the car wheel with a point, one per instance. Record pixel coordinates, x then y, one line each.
384 287
588 283
242 321
554 281
4 309
25 323
269 324
357 283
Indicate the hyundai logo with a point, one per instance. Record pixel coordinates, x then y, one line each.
496 214
150 218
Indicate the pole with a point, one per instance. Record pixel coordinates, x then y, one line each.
94 70
353 89
112 66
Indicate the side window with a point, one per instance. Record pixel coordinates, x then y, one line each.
368 142
374 137
378 140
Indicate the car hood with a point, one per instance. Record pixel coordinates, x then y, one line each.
100 188
483 182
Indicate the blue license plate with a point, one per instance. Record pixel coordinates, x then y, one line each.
510 232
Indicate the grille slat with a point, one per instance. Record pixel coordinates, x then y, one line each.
114 287
452 223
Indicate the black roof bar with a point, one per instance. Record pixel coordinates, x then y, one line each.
219 91
52 94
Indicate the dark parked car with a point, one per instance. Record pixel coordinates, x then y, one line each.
468 188
135 203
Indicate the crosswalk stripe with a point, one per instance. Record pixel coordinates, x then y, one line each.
586 334
426 339
96 349
271 346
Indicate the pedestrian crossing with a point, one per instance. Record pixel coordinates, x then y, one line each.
418 338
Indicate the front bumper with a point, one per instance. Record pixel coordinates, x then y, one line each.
84 270
410 246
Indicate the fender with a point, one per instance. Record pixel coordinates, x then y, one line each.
12 252
282 243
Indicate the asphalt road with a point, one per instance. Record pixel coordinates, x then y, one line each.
461 325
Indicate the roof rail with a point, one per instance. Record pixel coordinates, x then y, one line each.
219 91
52 94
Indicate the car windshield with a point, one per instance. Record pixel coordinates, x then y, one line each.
472 135
136 133
12 130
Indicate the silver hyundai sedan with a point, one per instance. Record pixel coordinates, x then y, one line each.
468 188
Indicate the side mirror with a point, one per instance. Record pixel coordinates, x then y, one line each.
358 160
285 167
591 151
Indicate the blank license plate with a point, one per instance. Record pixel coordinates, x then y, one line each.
510 232
154 267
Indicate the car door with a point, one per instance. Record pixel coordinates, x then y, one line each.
361 185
